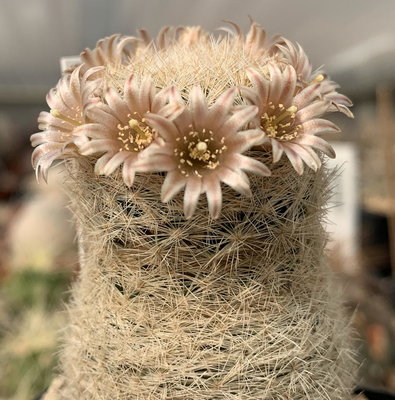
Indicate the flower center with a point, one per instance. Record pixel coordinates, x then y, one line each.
135 136
198 151
75 120
279 122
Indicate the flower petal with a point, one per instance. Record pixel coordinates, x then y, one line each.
277 149
276 83
160 100
169 94
249 164
102 162
236 27
49 136
131 95
109 49
295 159
43 150
163 126
251 95
342 108
317 143
289 85
44 155
45 163
318 126
191 196
79 140
117 104
221 108
123 47
128 172
75 84
102 115
54 101
175 96
306 96
314 155
244 140
46 120
238 181
173 184
94 131
116 160
305 155
212 187
199 107
260 82
99 146
145 36
338 98
146 94
163 37
64 92
155 163
184 120
171 111
255 39
313 110
238 120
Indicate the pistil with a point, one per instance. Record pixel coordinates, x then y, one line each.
274 124
319 78
135 136
198 151
57 114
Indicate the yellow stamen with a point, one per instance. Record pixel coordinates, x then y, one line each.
138 135
199 152
273 127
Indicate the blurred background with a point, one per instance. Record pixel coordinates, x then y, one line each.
355 40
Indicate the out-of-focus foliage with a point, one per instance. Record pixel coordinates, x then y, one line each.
30 319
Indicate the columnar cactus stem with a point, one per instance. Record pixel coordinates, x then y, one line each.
183 296
234 308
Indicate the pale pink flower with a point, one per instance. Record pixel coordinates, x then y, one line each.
115 49
191 35
202 148
68 101
256 43
289 116
163 40
119 131
295 55
169 35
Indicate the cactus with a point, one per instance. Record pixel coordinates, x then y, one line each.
173 301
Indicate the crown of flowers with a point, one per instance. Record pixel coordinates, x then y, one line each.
198 139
